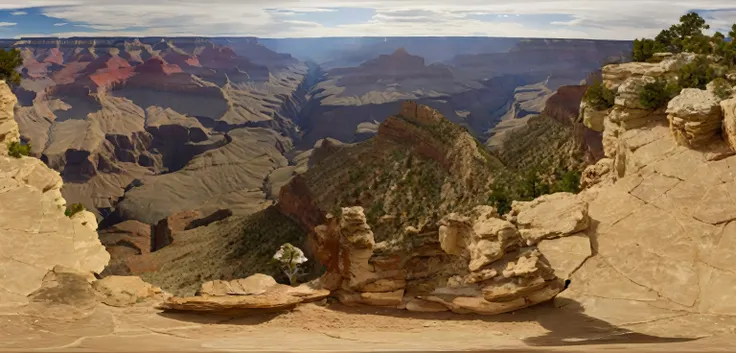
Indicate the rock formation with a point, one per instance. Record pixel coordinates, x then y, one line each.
472 264
36 235
661 209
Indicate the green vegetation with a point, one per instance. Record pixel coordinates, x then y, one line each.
17 149
73 209
696 74
289 258
530 185
722 89
10 60
599 96
657 94
687 36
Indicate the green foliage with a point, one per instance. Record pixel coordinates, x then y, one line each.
657 94
687 36
73 209
568 182
644 49
696 74
599 96
17 149
10 60
722 89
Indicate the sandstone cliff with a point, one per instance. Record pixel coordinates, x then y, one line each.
35 233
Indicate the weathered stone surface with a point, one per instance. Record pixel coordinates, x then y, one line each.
382 299
695 117
125 290
628 92
257 295
592 118
729 121
597 173
253 285
566 254
64 294
8 127
36 235
550 216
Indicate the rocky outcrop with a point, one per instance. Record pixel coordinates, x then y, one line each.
8 127
550 216
123 291
164 230
36 235
729 121
695 117
256 294
475 263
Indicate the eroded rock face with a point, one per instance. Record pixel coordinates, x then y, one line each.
126 290
36 235
729 121
256 294
8 126
163 232
476 263
695 117
550 216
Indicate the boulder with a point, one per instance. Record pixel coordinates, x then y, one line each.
424 306
695 117
597 173
123 291
277 297
255 284
729 121
550 216
64 294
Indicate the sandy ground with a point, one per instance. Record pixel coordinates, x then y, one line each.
335 328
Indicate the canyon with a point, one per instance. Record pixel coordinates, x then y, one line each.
141 129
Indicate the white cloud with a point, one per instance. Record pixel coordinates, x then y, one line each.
60 24
615 19
7 24
19 13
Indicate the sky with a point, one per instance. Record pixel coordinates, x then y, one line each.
595 19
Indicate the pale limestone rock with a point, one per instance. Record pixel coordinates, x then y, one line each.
254 284
673 63
615 75
628 92
695 117
550 216
566 254
356 243
86 219
455 232
592 118
125 290
729 121
384 285
596 173
8 127
36 236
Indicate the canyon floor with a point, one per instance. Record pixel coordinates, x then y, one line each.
337 328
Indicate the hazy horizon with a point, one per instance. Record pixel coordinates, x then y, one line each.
288 19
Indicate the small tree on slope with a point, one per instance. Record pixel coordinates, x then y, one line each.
290 258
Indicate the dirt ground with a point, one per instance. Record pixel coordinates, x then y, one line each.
335 328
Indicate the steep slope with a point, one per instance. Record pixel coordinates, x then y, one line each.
417 168
110 112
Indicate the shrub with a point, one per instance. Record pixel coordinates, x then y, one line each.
599 96
501 200
657 94
722 89
10 60
289 257
696 74
17 149
73 209
569 182
644 49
